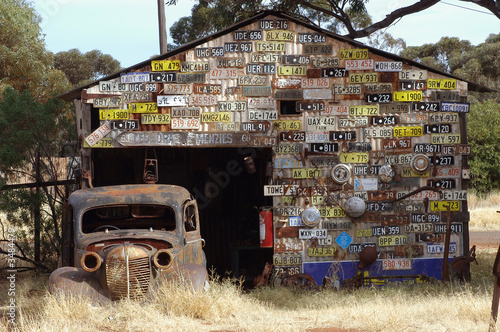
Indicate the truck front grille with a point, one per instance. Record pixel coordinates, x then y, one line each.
128 272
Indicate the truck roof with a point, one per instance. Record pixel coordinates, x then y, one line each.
129 194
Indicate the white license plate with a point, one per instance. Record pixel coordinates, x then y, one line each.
306 234
353 122
377 132
256 115
98 134
171 100
347 89
453 172
188 123
287 163
398 159
459 195
359 64
176 89
413 75
295 221
231 106
320 123
396 264
262 103
443 118
317 137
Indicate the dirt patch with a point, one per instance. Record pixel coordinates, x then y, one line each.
485 240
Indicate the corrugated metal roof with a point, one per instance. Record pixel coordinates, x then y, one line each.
76 93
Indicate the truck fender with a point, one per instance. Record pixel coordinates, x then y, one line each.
195 274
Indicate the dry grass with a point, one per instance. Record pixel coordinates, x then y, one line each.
483 211
225 307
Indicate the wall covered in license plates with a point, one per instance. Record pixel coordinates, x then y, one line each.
368 149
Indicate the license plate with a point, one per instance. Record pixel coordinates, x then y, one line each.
413 75
143 87
363 110
98 134
321 123
280 35
135 77
407 206
407 172
354 157
171 100
377 132
262 115
437 128
263 103
295 221
309 106
337 224
185 123
105 142
412 85
448 172
295 59
124 125
292 70
442 160
216 117
306 234
270 46
442 206
252 80
459 195
356 122
215 89
331 212
396 264
441 83
439 248
455 228
455 107
419 228
324 62
394 108
231 62
289 246
165 65
426 106
305 173
392 240
457 149
287 163
113 86
396 143
287 125
322 161
280 260
353 53
176 89
429 217
186 112
298 136
164 77
288 211
378 88
336 110
143 108
324 147
385 230
408 131
113 114
107 102
389 66
379 206
445 138
344 136
321 252
445 96
288 148
318 83
383 120
333 72
363 78
359 64
317 137
223 73
421 195
155 118
414 117
347 89
407 96
378 98
442 183
381 195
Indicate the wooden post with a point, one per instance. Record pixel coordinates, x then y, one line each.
496 292
36 212
162 25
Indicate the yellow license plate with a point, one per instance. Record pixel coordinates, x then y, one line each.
155 118
165 65
292 70
441 206
407 172
408 131
407 96
216 117
321 252
354 53
280 35
363 78
143 108
367 232
287 260
317 200
354 157
445 84
113 114
287 125
363 110
288 199
392 240
270 46
331 212
445 138
105 142
305 173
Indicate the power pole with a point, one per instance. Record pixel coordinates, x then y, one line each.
162 24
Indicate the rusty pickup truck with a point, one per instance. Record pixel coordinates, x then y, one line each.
122 241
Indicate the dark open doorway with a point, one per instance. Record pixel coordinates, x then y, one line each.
229 197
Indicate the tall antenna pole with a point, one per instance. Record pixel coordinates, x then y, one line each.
162 24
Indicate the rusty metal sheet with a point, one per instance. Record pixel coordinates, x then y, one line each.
288 94
287 83
314 73
290 247
287 232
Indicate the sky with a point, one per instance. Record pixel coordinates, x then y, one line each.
128 29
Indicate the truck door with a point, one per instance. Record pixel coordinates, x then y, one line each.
193 250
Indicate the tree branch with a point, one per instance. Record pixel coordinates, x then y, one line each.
488 4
